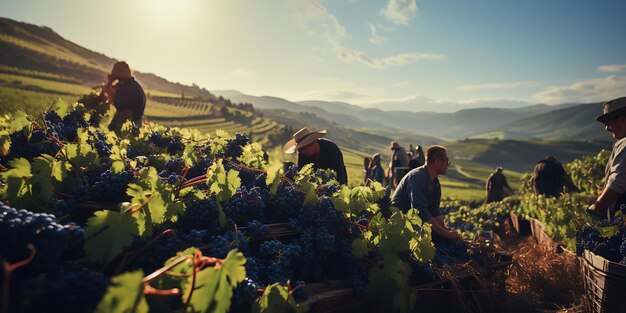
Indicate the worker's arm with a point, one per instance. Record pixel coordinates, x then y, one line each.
439 227
601 205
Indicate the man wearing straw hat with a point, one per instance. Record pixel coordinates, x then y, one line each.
127 96
321 152
614 193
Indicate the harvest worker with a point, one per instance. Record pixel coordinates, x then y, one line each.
549 178
398 159
614 119
126 95
495 186
420 189
322 153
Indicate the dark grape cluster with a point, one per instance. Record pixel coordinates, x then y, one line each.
257 229
172 144
109 187
54 242
449 253
23 147
245 206
199 215
288 201
70 290
611 246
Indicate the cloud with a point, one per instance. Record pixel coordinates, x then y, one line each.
591 90
318 21
496 86
613 68
383 63
376 38
399 11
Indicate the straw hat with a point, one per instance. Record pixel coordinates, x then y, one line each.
302 138
395 145
121 70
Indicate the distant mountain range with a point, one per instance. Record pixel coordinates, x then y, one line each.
557 122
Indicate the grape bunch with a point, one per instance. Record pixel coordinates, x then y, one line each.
288 202
245 206
257 229
53 242
610 245
172 144
109 187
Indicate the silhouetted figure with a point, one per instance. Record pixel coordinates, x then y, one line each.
495 186
418 159
398 159
549 178
367 173
127 96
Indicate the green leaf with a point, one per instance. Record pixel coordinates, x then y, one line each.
124 295
118 158
61 107
359 248
608 231
273 180
16 179
46 171
214 286
276 299
108 233
252 155
19 122
83 155
5 142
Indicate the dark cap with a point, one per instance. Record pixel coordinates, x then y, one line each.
612 109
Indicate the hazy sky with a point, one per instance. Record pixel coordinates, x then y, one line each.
467 52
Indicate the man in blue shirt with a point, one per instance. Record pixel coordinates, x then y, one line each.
420 189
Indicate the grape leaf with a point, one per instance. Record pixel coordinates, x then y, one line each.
252 155
5 142
83 155
61 107
214 285
108 233
118 159
16 178
46 172
124 295
276 298
273 179
222 186
608 231
19 122
359 248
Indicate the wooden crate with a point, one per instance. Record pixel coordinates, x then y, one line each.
605 284
520 224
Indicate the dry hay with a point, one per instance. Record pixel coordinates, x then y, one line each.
541 279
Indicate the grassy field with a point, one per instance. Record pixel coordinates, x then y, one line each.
473 160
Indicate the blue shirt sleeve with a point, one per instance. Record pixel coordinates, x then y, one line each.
418 194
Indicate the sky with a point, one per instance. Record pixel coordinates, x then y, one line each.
412 54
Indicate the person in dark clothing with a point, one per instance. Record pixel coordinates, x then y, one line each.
495 186
376 170
549 178
127 96
418 159
322 153
420 189
367 170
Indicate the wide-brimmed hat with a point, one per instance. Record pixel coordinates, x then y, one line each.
121 70
376 156
612 109
302 138
499 168
395 145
